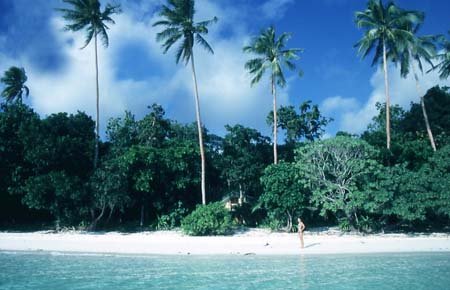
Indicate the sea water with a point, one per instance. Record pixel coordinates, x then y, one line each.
21 270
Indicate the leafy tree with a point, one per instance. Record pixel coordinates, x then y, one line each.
284 195
437 172
143 167
122 133
14 80
438 101
154 128
387 32
179 158
308 123
410 131
59 160
18 126
243 157
110 187
337 171
87 15
60 194
414 197
179 25
272 55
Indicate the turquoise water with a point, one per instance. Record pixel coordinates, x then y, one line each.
374 271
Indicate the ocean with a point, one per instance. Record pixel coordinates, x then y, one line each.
51 270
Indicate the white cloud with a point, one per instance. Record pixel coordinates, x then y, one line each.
275 9
338 104
225 93
402 92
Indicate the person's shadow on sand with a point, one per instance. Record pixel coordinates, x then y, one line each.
312 245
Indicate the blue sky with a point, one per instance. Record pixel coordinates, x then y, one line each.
134 73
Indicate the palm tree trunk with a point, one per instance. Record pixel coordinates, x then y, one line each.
274 94
97 121
424 111
199 128
388 101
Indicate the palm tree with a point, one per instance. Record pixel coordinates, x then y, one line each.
444 58
387 33
14 80
421 48
273 55
86 15
179 26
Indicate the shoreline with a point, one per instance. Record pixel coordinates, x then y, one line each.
251 242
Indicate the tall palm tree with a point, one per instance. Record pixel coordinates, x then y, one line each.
387 34
420 49
272 55
444 58
14 80
179 26
87 15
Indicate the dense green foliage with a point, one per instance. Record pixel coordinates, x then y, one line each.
285 195
147 174
210 219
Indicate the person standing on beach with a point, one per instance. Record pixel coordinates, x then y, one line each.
301 228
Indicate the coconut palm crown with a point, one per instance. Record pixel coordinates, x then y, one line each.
388 34
178 20
86 15
271 54
14 80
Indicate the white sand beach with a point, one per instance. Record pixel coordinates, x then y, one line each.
254 241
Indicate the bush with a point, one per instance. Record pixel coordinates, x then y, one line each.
210 219
344 225
171 220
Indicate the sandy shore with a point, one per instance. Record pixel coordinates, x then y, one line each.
255 241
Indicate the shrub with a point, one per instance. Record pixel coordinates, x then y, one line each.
210 219
344 225
171 220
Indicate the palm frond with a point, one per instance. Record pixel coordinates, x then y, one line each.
177 20
272 55
87 15
14 79
200 40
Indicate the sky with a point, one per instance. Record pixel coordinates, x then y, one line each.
134 72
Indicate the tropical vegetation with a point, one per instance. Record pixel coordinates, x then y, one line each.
146 169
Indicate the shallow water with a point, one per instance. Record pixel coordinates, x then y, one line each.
19 270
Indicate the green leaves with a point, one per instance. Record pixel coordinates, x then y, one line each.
308 123
386 25
178 19
285 195
86 14
336 171
14 80
210 219
444 58
271 55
